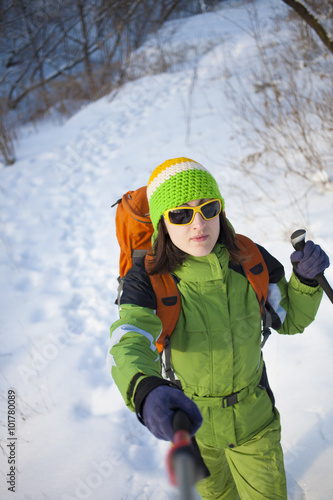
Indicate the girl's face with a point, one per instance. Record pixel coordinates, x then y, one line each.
199 237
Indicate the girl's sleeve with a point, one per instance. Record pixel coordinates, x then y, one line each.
301 303
132 352
292 304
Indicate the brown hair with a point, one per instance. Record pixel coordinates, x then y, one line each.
166 257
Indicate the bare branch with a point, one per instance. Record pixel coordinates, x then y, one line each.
312 21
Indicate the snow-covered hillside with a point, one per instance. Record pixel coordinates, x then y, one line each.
75 439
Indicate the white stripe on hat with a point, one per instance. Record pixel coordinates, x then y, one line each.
168 172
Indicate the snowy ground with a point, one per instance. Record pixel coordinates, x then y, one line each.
75 439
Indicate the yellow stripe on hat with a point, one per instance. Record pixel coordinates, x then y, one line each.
167 164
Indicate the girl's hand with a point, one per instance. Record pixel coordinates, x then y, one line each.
159 409
310 262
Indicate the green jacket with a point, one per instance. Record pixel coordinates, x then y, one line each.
215 347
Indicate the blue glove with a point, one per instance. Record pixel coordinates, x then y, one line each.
160 406
311 261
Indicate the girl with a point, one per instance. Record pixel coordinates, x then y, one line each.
215 347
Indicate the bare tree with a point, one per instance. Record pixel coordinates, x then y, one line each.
60 54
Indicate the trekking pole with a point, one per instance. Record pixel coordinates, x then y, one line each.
298 242
181 461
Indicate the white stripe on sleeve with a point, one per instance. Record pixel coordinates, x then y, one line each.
274 298
117 335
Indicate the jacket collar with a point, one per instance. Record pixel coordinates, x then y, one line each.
200 269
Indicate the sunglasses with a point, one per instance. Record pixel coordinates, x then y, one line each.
185 215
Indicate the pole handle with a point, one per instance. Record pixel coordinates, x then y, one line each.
298 242
298 239
181 422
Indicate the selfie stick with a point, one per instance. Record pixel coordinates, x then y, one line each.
298 242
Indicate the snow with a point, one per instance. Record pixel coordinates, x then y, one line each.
59 263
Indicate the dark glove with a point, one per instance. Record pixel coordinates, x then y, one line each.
159 409
310 262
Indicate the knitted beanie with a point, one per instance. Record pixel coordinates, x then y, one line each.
176 182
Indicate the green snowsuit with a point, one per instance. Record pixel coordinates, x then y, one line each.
215 352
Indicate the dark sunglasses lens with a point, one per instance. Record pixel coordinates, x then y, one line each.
181 216
211 210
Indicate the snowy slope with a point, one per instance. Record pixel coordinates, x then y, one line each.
59 264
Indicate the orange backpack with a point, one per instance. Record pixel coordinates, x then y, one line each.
134 230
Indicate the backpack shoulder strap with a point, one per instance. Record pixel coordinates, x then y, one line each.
256 271
255 268
167 303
